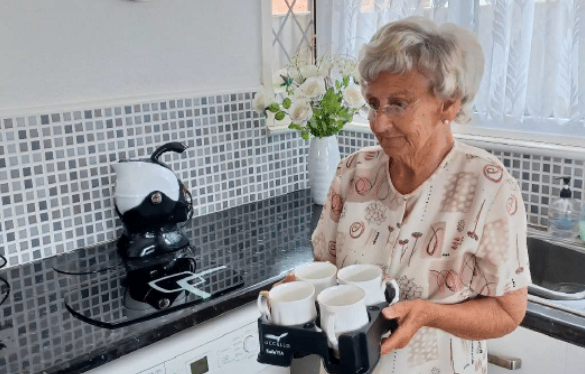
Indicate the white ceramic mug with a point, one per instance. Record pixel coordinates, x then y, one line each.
371 279
321 274
288 304
343 309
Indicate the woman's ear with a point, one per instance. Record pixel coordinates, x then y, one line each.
449 109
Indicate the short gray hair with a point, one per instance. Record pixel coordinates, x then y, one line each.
449 56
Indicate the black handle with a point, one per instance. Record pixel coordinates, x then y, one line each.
172 146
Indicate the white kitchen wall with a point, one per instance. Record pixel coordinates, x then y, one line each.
84 83
70 51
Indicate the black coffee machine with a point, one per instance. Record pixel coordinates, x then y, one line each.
151 201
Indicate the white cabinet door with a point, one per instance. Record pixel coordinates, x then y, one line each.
575 359
540 354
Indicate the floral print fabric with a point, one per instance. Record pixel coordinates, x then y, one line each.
462 233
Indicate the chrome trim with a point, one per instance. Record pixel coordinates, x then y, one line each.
573 244
505 362
554 295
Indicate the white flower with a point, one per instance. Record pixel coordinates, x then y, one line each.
325 65
297 95
345 66
356 75
278 80
283 122
313 87
300 112
295 74
353 97
308 71
262 100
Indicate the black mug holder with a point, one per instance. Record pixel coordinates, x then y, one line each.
359 351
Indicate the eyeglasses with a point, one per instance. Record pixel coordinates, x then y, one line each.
395 109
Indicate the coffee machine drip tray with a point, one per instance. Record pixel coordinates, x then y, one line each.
110 293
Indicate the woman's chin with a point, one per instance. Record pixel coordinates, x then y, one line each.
391 145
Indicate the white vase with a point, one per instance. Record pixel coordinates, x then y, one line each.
322 164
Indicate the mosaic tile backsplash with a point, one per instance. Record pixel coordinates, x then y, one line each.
56 183
535 174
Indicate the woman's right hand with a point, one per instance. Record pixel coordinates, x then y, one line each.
289 278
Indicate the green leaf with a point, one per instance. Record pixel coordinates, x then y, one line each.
346 81
322 125
305 134
286 103
312 129
294 126
338 85
279 116
330 102
274 107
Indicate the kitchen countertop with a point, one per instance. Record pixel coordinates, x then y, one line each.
262 240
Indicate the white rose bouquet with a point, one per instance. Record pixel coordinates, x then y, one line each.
315 99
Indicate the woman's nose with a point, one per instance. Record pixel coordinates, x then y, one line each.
379 122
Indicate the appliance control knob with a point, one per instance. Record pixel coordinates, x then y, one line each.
156 198
251 344
164 303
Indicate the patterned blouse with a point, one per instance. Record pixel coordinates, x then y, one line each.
462 233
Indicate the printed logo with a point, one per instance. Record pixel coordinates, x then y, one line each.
274 340
274 352
184 281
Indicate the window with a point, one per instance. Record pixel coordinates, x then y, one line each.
288 30
534 83
292 31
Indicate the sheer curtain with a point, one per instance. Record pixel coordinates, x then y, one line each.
534 77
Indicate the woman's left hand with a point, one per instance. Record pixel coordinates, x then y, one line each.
411 315
474 319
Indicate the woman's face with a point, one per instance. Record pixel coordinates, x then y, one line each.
409 114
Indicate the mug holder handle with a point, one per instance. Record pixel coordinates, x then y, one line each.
359 350
391 291
264 304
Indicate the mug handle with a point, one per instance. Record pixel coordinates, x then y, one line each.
264 304
330 331
391 293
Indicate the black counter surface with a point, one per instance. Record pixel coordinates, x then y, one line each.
263 241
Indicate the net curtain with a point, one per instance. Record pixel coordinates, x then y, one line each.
534 49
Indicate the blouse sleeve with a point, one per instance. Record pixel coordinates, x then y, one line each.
501 261
324 236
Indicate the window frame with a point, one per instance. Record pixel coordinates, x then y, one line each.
573 145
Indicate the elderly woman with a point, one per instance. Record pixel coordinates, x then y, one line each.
444 219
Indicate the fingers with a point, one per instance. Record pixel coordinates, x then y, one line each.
396 311
289 278
407 326
398 339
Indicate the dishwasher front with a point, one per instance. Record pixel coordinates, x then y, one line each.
227 344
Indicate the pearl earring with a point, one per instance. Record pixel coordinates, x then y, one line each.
446 122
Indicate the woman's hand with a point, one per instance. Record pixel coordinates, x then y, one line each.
474 319
411 315
289 278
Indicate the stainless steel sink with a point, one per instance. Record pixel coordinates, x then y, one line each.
557 268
